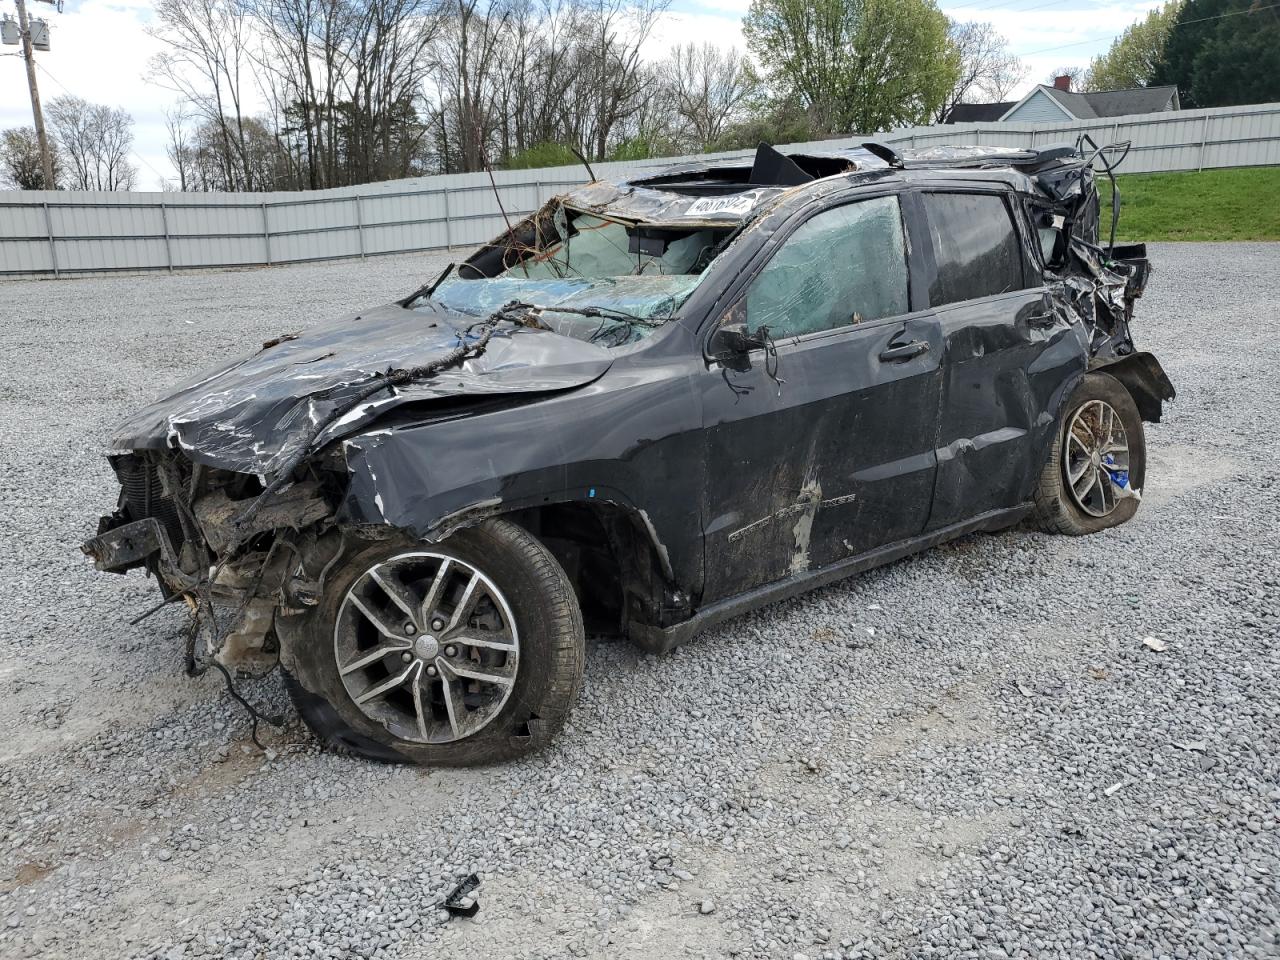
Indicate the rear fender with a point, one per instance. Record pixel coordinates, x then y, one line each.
1145 380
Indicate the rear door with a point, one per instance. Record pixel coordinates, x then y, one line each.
1004 348
822 447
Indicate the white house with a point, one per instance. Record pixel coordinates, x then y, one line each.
1050 104
1058 103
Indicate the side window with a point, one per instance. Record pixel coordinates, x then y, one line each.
843 266
975 246
1049 234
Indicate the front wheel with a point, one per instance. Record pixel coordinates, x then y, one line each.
464 652
1097 464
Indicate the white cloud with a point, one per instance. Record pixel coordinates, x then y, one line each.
1056 36
678 27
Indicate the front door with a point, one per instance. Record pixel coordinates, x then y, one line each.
822 448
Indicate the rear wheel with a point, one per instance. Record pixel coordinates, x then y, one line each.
1097 464
464 652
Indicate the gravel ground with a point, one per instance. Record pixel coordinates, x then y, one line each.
970 753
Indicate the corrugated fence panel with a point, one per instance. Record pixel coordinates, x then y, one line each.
104 221
190 219
93 256
220 251
295 217
29 256
55 232
26 221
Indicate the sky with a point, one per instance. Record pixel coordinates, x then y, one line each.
100 52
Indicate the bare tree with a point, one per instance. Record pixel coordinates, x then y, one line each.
466 64
988 70
180 149
1075 74
207 63
95 142
345 79
706 87
612 79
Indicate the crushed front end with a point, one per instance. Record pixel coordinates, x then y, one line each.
194 528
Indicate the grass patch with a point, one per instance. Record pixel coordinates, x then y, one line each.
1233 204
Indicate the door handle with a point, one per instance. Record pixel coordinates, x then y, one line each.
1042 319
904 351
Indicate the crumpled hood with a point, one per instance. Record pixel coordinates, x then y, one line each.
250 415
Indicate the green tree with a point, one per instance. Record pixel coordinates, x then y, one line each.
1135 55
774 122
542 155
1222 53
856 65
20 165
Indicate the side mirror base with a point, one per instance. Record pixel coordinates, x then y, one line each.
732 343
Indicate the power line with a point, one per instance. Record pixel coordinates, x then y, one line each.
982 6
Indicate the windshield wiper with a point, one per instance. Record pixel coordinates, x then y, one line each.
430 288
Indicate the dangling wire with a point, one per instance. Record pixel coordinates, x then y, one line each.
738 390
771 358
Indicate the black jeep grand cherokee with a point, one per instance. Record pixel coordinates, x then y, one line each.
650 405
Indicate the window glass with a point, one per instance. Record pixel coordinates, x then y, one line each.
975 247
1049 232
845 265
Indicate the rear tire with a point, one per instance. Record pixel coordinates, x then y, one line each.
1078 493
518 648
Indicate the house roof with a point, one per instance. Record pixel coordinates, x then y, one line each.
1105 103
1118 103
977 112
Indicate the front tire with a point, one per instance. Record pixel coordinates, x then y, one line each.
465 652
1098 461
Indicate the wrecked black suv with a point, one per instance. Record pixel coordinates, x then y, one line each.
647 407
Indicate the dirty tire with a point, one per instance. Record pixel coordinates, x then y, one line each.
548 674
1055 509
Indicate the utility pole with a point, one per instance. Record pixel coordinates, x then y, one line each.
29 54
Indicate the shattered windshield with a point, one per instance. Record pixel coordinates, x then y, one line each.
632 306
627 278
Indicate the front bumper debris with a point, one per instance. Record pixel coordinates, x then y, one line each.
121 548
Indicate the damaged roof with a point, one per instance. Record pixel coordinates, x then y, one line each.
727 191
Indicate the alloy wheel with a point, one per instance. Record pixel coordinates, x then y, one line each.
427 646
1095 459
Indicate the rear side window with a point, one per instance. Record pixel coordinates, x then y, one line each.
975 246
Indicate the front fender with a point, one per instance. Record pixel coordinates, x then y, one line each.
634 445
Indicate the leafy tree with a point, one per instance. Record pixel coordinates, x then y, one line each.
20 165
1223 52
1135 55
864 65
779 121
633 148
542 155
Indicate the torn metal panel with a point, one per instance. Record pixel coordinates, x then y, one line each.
243 417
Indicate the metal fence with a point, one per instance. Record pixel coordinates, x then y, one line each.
55 233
